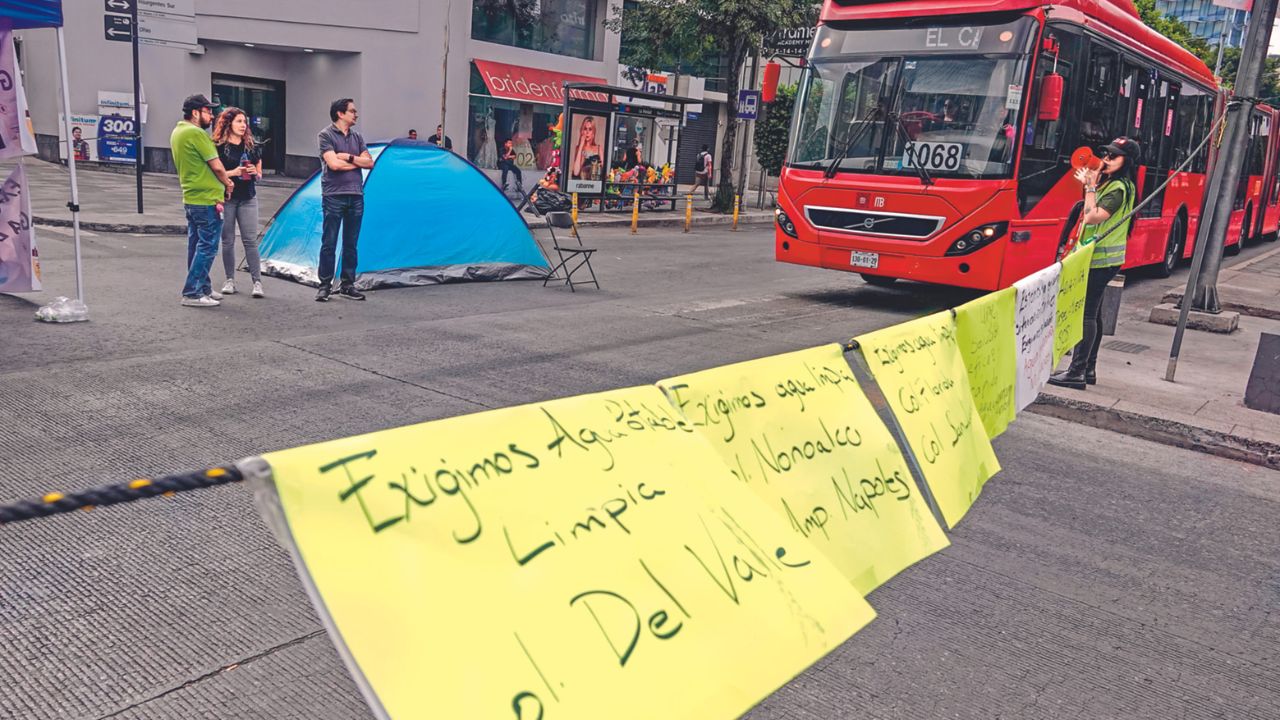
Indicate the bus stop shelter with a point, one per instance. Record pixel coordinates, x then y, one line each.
619 146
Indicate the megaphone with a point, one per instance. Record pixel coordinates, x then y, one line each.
1083 157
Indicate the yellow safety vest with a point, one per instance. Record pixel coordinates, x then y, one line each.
1109 237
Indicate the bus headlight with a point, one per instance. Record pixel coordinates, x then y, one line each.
785 223
977 238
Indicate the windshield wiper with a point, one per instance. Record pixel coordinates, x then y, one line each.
901 126
864 122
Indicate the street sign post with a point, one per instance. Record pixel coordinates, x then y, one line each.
122 7
118 28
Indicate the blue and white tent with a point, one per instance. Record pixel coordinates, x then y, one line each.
429 217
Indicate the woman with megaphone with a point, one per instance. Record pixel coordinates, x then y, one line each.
1109 196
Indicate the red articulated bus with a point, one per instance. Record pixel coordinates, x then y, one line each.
1256 212
932 138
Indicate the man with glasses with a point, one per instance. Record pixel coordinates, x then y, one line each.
204 186
344 155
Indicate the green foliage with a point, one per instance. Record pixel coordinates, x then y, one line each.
662 33
772 130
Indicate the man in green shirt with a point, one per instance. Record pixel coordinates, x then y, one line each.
204 186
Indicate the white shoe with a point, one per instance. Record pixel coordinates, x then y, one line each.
215 295
229 287
257 289
205 301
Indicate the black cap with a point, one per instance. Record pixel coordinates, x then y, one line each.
195 102
1123 146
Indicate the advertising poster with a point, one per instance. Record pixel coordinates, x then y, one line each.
84 138
586 153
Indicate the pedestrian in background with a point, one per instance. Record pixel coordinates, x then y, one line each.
702 173
237 151
413 134
441 139
1109 196
507 163
204 186
344 155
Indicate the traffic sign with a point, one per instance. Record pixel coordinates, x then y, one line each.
117 27
121 7
748 104
167 30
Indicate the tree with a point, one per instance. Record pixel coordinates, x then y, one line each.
1177 31
658 31
773 128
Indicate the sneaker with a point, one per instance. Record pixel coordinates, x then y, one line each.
257 289
215 294
350 292
229 287
203 301
322 295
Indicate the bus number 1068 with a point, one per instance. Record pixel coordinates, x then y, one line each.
933 155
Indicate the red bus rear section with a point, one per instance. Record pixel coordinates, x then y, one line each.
927 144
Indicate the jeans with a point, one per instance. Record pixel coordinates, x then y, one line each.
1085 355
244 213
507 166
347 211
204 227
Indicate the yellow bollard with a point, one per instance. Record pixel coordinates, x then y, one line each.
737 203
575 209
635 210
688 212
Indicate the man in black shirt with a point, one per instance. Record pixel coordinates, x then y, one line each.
441 139
343 155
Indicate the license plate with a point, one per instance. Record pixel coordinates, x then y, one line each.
865 259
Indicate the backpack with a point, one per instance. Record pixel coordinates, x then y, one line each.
704 159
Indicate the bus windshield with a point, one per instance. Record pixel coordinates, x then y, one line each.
944 99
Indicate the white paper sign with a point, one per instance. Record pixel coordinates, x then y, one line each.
16 137
19 261
1033 326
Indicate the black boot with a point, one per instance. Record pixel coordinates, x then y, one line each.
1074 376
1091 377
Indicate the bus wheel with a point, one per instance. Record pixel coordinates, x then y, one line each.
878 280
1173 248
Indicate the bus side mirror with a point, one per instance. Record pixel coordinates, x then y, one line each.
1050 98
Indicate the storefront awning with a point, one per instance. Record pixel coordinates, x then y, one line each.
513 82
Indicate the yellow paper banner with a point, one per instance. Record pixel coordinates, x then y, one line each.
919 368
583 558
984 329
1071 289
798 430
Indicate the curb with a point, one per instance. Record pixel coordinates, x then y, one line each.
1174 297
1167 432
113 227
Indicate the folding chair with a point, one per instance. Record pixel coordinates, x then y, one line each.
579 255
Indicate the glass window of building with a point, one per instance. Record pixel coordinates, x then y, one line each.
561 27
492 121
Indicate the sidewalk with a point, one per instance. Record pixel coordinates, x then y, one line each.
108 203
1203 409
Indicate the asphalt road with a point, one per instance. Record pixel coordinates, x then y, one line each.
1098 576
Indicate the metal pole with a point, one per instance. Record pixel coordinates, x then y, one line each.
444 78
74 205
747 126
1252 59
1222 40
137 106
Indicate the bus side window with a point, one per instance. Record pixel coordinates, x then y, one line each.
1047 143
1098 119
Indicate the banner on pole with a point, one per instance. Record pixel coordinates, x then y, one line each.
16 136
19 259
581 558
798 430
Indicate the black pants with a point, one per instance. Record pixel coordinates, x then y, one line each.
507 166
1085 355
345 211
